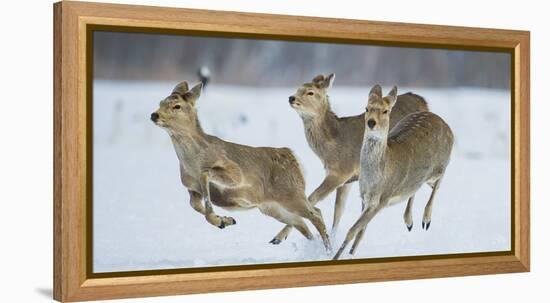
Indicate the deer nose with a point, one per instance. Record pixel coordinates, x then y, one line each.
291 99
371 123
154 117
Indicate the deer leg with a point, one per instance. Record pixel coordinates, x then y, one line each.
195 200
314 215
339 205
279 213
361 223
427 219
359 235
282 235
301 226
211 217
407 216
329 184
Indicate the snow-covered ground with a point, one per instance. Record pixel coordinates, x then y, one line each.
142 218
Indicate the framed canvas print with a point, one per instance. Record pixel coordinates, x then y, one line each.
205 151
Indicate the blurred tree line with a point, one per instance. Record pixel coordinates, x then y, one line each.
134 56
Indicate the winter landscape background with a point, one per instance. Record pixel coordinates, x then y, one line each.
142 218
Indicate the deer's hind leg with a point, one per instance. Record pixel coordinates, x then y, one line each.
279 213
282 235
339 205
315 216
407 216
303 208
329 184
427 218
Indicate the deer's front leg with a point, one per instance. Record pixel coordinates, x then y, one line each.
211 217
329 184
360 224
360 234
195 200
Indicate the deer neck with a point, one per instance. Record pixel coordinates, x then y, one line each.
321 127
374 155
189 141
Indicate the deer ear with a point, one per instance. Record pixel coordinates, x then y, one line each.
329 80
392 96
322 81
376 91
181 88
318 79
193 95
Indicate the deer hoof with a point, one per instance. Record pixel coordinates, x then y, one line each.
275 241
426 225
410 227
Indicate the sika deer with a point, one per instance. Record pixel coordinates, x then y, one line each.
234 176
337 141
394 164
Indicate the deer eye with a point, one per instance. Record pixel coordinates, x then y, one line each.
177 106
386 111
310 93
366 109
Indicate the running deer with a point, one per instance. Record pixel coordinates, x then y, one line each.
234 176
337 140
396 162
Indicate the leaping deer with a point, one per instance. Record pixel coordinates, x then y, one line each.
234 176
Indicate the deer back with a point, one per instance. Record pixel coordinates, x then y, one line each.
418 150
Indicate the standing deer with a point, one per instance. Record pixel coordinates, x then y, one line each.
337 141
234 176
396 162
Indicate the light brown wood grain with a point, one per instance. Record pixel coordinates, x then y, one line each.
71 20
57 205
522 148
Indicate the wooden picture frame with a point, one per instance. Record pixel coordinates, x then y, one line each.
73 23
